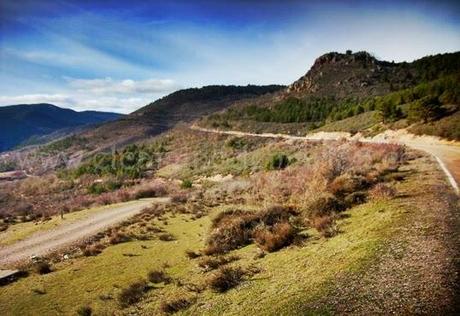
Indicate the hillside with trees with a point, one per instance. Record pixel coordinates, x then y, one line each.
339 86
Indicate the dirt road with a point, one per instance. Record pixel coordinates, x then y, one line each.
46 242
447 154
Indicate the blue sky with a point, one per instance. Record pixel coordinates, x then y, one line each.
121 55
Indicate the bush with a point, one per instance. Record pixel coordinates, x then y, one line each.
92 250
85 311
325 225
179 198
186 184
153 190
192 254
225 279
158 276
42 267
166 237
281 235
175 305
235 228
277 162
382 191
133 293
117 238
210 263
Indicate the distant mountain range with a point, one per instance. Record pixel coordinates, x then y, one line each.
29 123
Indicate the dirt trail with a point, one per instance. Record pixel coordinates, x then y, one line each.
447 154
42 243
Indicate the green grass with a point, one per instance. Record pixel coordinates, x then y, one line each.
290 276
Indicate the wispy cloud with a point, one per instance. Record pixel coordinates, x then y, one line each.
127 86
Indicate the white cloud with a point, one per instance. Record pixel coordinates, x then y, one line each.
36 98
127 86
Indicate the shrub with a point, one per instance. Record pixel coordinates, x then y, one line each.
210 263
277 162
159 276
235 228
42 267
186 184
92 250
382 191
133 293
117 238
152 190
96 188
175 305
322 203
85 311
192 254
225 279
281 235
166 237
179 198
325 225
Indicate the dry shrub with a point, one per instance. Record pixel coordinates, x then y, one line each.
106 199
325 225
133 293
235 228
321 187
123 195
92 250
382 191
155 189
85 311
192 254
281 235
159 276
175 305
179 197
166 237
117 237
322 203
225 278
212 263
42 267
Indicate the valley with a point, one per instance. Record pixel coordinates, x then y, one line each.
337 194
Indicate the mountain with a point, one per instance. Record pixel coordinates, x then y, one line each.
181 106
361 75
19 123
339 86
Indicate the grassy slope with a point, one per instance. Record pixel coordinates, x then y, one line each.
290 277
352 124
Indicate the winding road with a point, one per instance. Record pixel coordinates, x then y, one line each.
447 154
65 235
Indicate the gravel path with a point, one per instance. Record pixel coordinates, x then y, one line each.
42 243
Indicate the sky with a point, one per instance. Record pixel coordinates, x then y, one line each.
121 55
